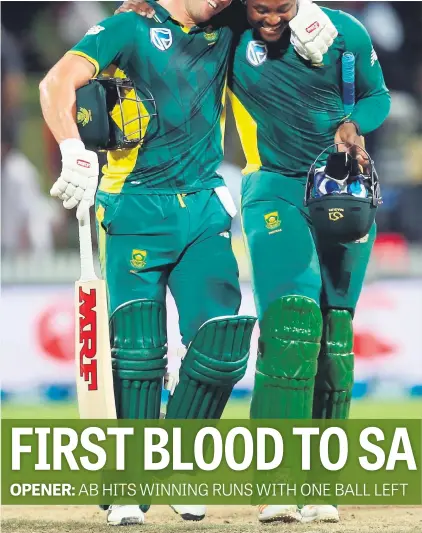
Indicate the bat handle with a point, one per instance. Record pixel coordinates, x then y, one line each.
85 249
348 79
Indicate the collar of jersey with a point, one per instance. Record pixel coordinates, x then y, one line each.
162 15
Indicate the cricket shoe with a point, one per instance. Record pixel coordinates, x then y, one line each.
279 513
125 515
190 512
320 513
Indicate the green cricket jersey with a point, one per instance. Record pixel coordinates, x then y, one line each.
186 72
287 111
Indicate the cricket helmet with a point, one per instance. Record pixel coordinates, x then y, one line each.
341 196
113 114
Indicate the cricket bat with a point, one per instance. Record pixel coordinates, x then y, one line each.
94 377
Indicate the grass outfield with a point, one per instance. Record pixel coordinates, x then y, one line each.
237 409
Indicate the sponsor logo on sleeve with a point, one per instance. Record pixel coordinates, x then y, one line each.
95 30
374 57
363 240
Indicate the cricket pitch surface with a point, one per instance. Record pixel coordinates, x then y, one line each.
224 519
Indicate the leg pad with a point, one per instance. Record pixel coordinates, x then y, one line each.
138 351
289 344
334 381
215 361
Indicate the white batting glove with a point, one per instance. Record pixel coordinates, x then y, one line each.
77 183
312 32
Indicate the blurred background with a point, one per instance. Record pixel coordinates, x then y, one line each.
39 238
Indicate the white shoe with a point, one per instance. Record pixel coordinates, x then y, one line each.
190 512
279 513
320 513
124 515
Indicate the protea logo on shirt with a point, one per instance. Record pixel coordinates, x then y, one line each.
256 53
161 38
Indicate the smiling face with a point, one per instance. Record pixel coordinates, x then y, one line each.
203 10
271 17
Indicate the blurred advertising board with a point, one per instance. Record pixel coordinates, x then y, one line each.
38 338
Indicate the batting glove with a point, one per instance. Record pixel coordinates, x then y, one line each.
77 183
312 32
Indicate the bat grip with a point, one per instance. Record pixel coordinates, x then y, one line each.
348 79
85 249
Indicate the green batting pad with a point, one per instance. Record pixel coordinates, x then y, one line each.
215 361
286 366
334 381
138 350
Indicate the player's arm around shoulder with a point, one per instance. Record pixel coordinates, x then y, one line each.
141 7
312 31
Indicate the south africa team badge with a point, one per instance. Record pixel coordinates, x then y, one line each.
161 38
211 35
139 258
272 222
256 53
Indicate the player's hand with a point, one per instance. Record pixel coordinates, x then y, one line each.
78 181
312 32
346 133
138 6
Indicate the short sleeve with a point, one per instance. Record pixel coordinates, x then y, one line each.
110 41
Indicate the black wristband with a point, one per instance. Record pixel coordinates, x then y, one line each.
356 125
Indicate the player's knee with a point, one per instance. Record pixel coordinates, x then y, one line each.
223 300
336 358
138 350
291 331
138 336
219 353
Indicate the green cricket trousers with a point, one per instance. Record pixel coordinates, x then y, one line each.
148 242
285 256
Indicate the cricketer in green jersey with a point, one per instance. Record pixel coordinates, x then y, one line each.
286 112
161 221
163 213
306 290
